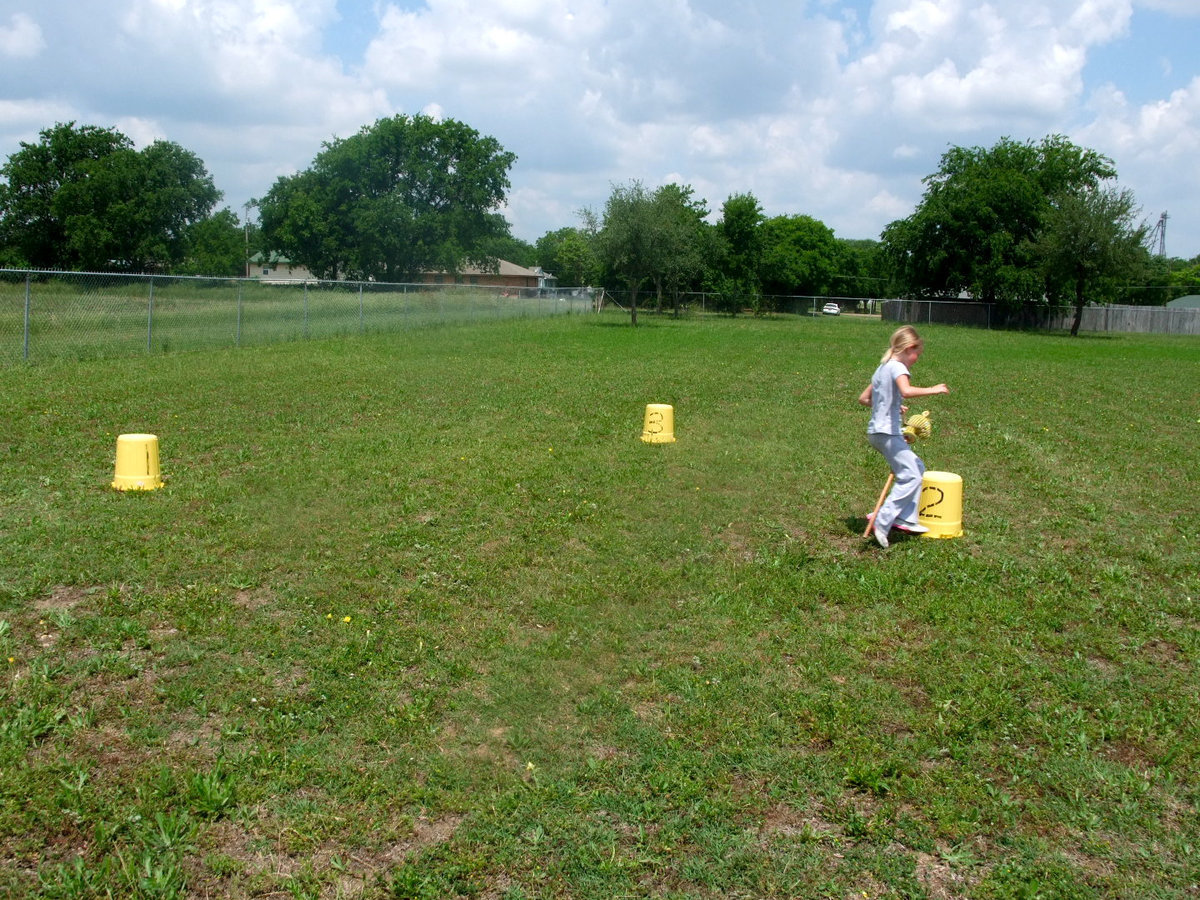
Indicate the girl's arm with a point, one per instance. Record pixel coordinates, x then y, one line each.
865 397
908 389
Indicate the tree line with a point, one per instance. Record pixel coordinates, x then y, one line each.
1019 224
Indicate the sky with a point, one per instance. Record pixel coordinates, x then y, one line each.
835 109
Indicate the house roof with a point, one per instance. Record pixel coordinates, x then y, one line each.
1191 301
506 268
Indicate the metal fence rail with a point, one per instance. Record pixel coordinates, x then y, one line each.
45 314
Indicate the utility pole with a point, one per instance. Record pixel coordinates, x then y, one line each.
246 234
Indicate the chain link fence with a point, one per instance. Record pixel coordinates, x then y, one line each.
695 302
46 315
1110 318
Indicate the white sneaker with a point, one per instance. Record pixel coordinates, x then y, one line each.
881 537
911 529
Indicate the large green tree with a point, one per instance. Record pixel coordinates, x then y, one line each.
402 196
1089 243
680 240
569 254
626 238
974 229
652 238
800 256
504 245
83 198
218 245
864 270
741 231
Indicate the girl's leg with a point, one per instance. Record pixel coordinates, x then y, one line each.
901 503
907 511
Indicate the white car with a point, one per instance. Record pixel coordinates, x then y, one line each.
832 309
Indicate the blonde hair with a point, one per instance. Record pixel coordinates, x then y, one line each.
902 338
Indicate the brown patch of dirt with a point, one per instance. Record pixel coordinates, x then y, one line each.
1163 652
939 879
259 858
738 544
252 600
62 597
783 820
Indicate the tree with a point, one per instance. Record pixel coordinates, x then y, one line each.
981 212
800 256
402 196
568 254
1185 277
654 237
1089 242
864 269
626 239
218 245
740 226
29 225
502 245
84 198
679 239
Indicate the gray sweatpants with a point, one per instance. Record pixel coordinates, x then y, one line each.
901 503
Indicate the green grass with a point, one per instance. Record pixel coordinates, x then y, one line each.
419 615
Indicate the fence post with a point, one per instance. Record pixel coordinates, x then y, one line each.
361 326
150 318
27 307
238 338
306 309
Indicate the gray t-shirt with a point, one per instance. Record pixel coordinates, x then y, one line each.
885 398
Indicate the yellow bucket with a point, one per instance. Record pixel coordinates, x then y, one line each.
137 463
940 506
659 424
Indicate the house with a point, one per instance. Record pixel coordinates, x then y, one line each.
508 275
278 269
275 269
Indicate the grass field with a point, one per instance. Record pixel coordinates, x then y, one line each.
78 316
420 616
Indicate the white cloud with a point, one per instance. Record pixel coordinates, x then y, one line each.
22 38
1155 146
834 108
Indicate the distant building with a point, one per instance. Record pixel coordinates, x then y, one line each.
1191 301
508 275
276 268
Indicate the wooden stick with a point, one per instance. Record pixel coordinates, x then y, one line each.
878 503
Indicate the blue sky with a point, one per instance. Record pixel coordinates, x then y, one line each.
829 108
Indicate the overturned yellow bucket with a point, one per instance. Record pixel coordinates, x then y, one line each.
659 425
940 506
137 463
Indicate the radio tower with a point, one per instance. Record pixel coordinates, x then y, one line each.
1160 234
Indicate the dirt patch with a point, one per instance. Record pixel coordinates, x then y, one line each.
63 597
787 822
263 866
938 877
252 600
